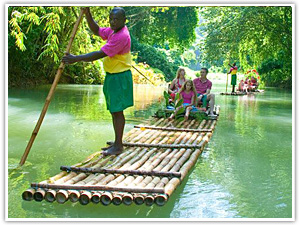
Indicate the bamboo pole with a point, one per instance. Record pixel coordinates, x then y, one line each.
172 129
74 195
148 178
138 199
119 171
163 162
171 186
106 198
85 161
141 133
149 200
127 199
142 74
28 194
85 197
157 145
51 92
96 197
117 199
97 188
161 199
119 179
130 179
50 196
62 196
39 193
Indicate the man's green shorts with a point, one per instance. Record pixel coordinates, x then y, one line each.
118 91
233 79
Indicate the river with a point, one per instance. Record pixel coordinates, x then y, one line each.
245 171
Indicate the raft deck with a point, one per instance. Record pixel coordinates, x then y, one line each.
157 157
239 93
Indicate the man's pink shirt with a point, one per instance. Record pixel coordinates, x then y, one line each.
202 87
117 43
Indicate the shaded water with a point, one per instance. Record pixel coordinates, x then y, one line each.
244 172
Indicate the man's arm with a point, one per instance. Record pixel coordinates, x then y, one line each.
207 92
70 59
92 24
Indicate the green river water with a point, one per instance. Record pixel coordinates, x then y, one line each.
245 170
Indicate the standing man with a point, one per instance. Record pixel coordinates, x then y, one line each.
233 71
118 85
203 87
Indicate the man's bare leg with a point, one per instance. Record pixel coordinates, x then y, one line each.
118 123
211 99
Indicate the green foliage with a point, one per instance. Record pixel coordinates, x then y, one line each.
154 58
39 35
252 36
158 26
166 97
179 103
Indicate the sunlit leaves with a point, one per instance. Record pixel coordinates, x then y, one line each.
247 34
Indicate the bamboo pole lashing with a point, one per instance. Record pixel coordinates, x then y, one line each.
118 171
50 94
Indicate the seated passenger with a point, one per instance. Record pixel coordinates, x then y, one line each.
177 83
241 85
253 83
188 94
203 87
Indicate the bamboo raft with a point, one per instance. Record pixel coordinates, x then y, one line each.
239 93
157 157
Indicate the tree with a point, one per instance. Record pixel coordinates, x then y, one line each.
251 35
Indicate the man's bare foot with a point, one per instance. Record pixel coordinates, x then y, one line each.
186 118
113 150
105 148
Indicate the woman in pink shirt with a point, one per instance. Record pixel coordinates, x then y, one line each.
188 94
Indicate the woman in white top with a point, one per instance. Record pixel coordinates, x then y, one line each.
177 83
